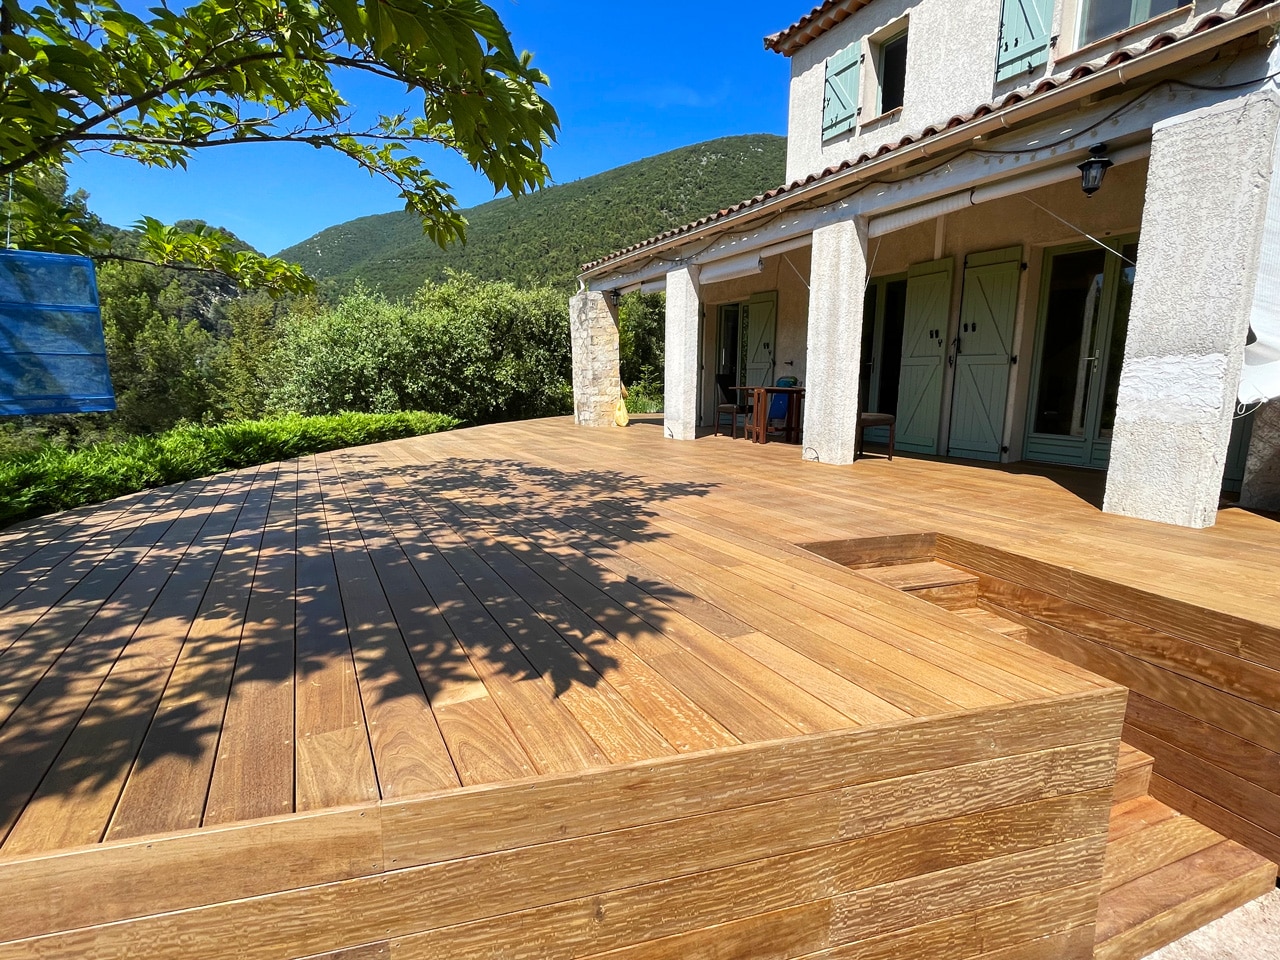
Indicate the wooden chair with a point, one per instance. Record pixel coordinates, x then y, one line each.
868 420
730 405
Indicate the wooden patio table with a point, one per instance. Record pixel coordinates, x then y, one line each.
791 427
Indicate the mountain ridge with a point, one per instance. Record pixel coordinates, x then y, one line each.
545 237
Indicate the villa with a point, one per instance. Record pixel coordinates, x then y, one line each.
548 691
1042 231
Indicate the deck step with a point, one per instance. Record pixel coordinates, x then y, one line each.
1133 774
939 583
993 621
1166 875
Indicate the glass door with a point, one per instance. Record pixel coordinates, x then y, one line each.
727 361
745 340
1084 318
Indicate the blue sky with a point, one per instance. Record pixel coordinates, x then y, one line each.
629 80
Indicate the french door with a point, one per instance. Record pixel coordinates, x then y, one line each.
1084 317
924 336
983 350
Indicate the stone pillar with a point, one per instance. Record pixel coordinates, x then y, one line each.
1202 228
684 324
1261 487
837 286
593 335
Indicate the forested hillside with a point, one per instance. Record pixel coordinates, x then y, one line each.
544 238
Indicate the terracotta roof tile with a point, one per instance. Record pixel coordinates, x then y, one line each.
982 110
813 24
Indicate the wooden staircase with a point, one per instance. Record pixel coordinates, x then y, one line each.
1165 874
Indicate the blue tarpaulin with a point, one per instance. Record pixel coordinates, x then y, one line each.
53 358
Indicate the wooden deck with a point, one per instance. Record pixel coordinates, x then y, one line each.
324 677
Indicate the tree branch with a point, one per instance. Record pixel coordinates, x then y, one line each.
185 267
312 139
78 131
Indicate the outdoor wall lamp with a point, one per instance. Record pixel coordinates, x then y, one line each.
1094 169
615 295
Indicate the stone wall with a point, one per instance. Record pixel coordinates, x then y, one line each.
1261 487
597 380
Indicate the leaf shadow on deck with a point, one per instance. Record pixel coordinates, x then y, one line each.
168 681
487 538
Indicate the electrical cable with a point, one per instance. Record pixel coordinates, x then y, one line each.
1139 97
1080 230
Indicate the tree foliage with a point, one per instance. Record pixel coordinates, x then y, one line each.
642 329
79 76
39 214
164 364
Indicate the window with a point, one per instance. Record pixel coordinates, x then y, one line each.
1102 18
892 70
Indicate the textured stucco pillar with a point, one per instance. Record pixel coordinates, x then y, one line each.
837 285
593 334
1261 487
684 320
1202 228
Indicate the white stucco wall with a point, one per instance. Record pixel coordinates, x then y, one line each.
838 281
787 275
680 410
951 66
1192 301
951 69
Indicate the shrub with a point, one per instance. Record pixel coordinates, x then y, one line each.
55 478
645 395
477 351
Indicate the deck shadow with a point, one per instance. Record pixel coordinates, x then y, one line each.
192 647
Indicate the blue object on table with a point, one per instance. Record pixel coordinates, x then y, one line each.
53 356
780 403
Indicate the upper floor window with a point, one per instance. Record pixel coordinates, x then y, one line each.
891 67
1102 18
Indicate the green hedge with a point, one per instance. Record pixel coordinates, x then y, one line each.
57 479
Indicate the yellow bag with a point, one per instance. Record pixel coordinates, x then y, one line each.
620 413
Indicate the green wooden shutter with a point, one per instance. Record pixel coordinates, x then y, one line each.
840 94
760 317
1025 27
924 335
